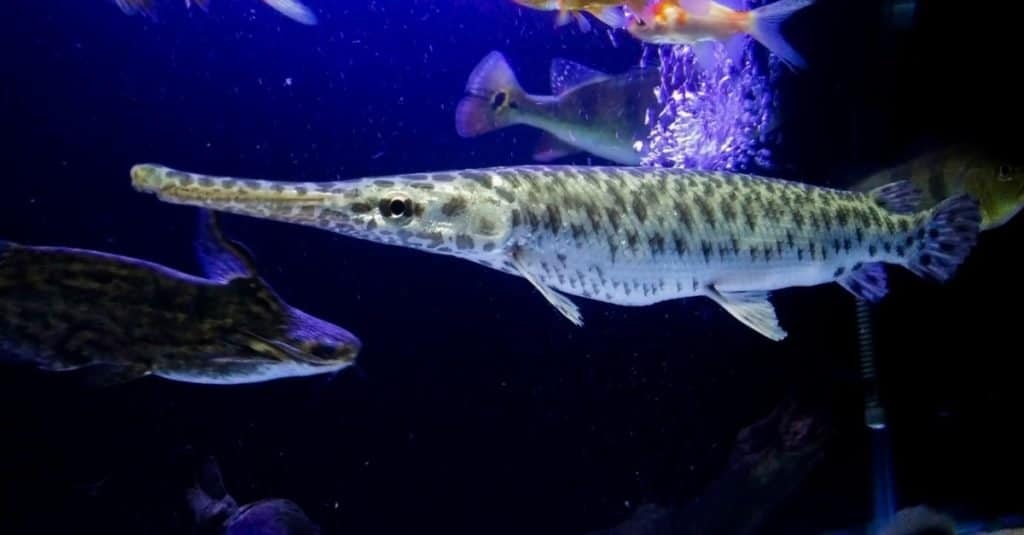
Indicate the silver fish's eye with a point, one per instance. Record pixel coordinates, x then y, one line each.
396 207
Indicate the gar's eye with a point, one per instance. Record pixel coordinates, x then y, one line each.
396 207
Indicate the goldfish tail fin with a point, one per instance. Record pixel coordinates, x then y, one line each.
636 7
293 9
614 17
582 21
146 9
947 238
564 17
493 94
765 26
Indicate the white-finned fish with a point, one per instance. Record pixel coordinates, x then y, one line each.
293 9
630 236
605 115
693 22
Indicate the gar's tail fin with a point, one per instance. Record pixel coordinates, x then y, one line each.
765 26
948 237
493 95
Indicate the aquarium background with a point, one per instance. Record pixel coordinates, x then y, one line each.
475 407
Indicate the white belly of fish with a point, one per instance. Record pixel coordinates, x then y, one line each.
642 280
256 373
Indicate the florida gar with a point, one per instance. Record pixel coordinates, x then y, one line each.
624 235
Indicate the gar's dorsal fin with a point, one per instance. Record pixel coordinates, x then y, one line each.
567 75
221 259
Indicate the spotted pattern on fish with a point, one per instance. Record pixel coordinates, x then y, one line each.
631 236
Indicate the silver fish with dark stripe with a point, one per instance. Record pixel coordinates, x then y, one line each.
624 235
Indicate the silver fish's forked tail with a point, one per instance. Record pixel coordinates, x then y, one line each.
493 93
766 27
631 236
295 10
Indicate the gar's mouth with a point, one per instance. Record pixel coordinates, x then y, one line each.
147 178
343 355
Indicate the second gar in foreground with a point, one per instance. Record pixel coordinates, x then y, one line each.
624 235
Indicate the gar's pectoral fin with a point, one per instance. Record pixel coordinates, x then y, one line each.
559 301
753 309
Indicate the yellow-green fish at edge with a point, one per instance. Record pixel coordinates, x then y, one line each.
997 184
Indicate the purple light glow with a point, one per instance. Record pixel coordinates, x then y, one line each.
717 118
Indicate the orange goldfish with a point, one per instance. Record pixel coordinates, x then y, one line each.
293 9
609 12
695 21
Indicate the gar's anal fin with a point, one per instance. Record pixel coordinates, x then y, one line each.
753 309
867 283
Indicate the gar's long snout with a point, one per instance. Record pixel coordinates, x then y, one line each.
318 204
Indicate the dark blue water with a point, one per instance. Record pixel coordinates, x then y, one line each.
479 409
